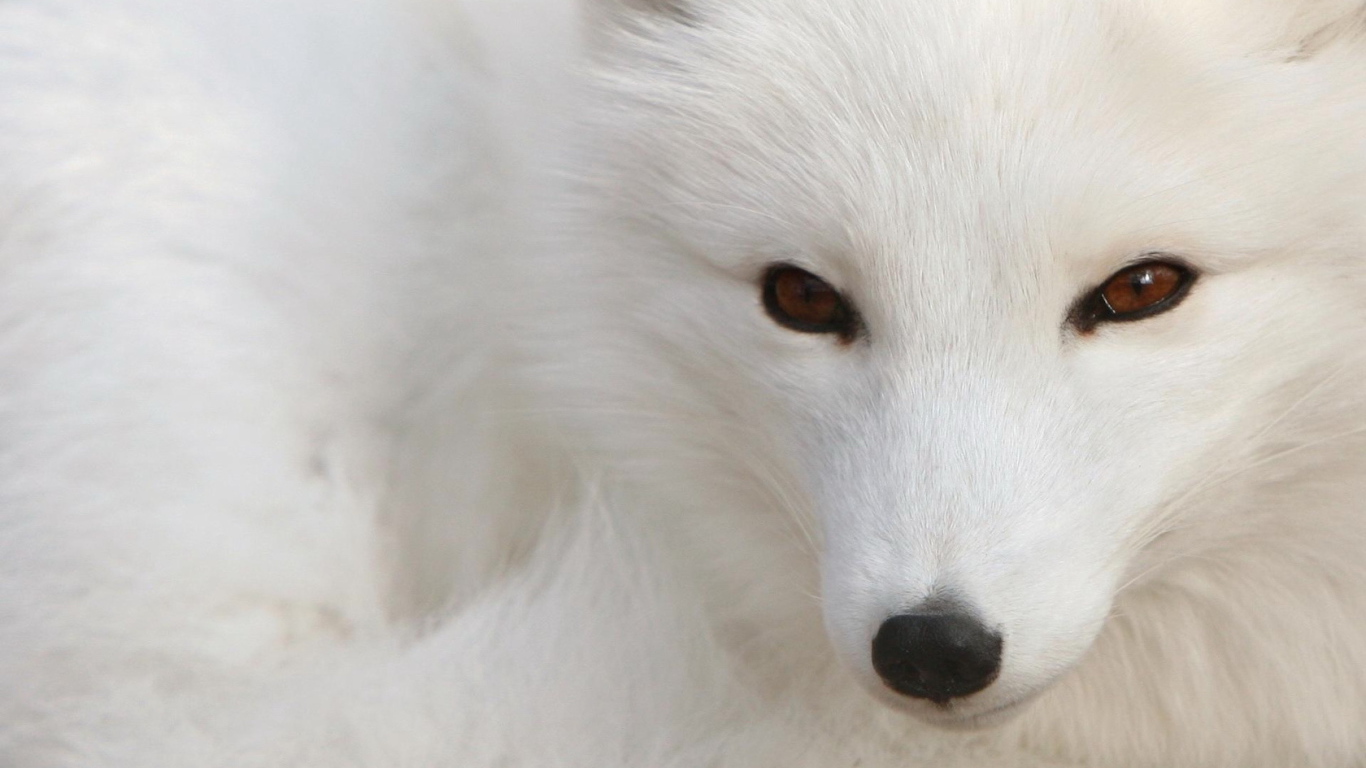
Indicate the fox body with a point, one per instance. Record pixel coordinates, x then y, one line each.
711 382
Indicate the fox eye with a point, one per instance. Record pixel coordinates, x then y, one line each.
801 301
1133 293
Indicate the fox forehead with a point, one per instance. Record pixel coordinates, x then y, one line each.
1005 141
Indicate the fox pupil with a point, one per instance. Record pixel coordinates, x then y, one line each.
1141 281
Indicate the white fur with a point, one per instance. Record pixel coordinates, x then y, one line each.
384 383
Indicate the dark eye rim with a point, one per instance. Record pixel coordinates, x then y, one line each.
847 325
1093 310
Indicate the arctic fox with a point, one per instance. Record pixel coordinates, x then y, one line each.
473 383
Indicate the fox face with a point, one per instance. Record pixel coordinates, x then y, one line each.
997 295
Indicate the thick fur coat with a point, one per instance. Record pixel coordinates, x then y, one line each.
389 384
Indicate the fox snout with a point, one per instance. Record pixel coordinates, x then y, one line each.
937 653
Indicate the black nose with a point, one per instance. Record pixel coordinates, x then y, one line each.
936 656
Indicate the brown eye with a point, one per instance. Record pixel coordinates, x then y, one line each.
801 301
1136 292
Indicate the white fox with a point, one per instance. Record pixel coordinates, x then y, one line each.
682 382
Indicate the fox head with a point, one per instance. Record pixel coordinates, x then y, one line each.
1011 305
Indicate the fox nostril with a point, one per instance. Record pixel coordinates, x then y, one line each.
936 656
